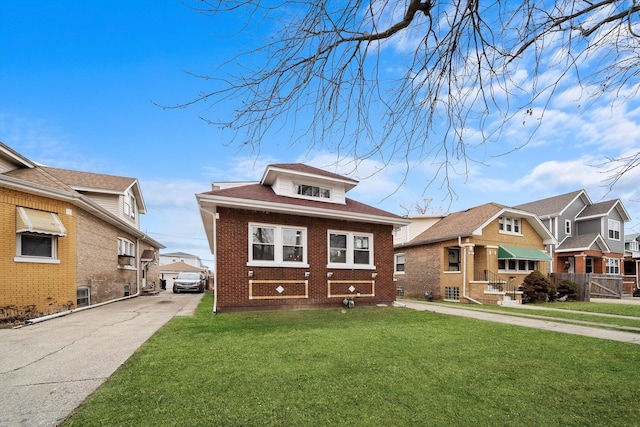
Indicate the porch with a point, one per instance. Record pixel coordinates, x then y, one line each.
489 287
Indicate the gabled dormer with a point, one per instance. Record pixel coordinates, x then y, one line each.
305 182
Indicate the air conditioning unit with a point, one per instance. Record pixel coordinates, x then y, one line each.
126 260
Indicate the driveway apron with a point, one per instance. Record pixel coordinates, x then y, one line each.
48 369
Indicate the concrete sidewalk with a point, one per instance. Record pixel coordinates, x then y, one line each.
48 369
527 322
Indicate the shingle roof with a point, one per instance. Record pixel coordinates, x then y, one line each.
462 223
263 193
582 242
39 176
302 168
551 205
597 209
91 180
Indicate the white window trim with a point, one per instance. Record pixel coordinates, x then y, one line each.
395 263
513 223
277 250
567 227
612 263
613 225
298 185
36 259
517 269
128 246
350 264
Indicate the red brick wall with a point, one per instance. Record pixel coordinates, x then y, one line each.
233 272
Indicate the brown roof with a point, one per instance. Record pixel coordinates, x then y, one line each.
92 180
263 193
39 175
462 223
301 167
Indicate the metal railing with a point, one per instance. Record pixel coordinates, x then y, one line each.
494 281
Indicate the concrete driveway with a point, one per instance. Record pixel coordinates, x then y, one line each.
48 369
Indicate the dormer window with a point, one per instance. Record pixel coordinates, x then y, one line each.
509 225
129 205
312 191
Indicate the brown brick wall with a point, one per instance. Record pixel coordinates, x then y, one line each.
98 259
36 287
233 272
422 271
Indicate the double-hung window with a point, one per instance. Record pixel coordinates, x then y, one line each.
275 245
613 266
350 250
509 225
614 229
399 263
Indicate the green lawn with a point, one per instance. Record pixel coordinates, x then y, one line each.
622 316
366 367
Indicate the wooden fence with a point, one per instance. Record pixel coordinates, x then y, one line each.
592 285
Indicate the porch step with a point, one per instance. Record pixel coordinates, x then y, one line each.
508 301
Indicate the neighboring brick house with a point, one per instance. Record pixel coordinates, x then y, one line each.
632 264
478 255
590 235
295 240
69 238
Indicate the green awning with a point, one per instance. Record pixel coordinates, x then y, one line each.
514 252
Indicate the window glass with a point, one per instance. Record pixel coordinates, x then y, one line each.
292 249
361 250
36 245
453 255
338 248
399 263
263 243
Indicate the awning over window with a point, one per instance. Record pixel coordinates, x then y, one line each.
33 221
148 255
514 252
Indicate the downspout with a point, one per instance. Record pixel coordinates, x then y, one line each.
214 248
215 263
464 271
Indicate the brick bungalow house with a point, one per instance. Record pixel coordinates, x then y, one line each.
69 239
479 255
295 240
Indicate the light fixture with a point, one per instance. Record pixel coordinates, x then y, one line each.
307 274
374 275
329 274
250 273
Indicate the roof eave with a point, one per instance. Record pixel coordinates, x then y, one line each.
299 210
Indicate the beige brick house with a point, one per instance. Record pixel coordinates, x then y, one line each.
295 240
69 239
480 255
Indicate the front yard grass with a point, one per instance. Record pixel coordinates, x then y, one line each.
366 367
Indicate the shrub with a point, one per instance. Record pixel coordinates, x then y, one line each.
567 290
537 288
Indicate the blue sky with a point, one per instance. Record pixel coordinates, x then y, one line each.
78 83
